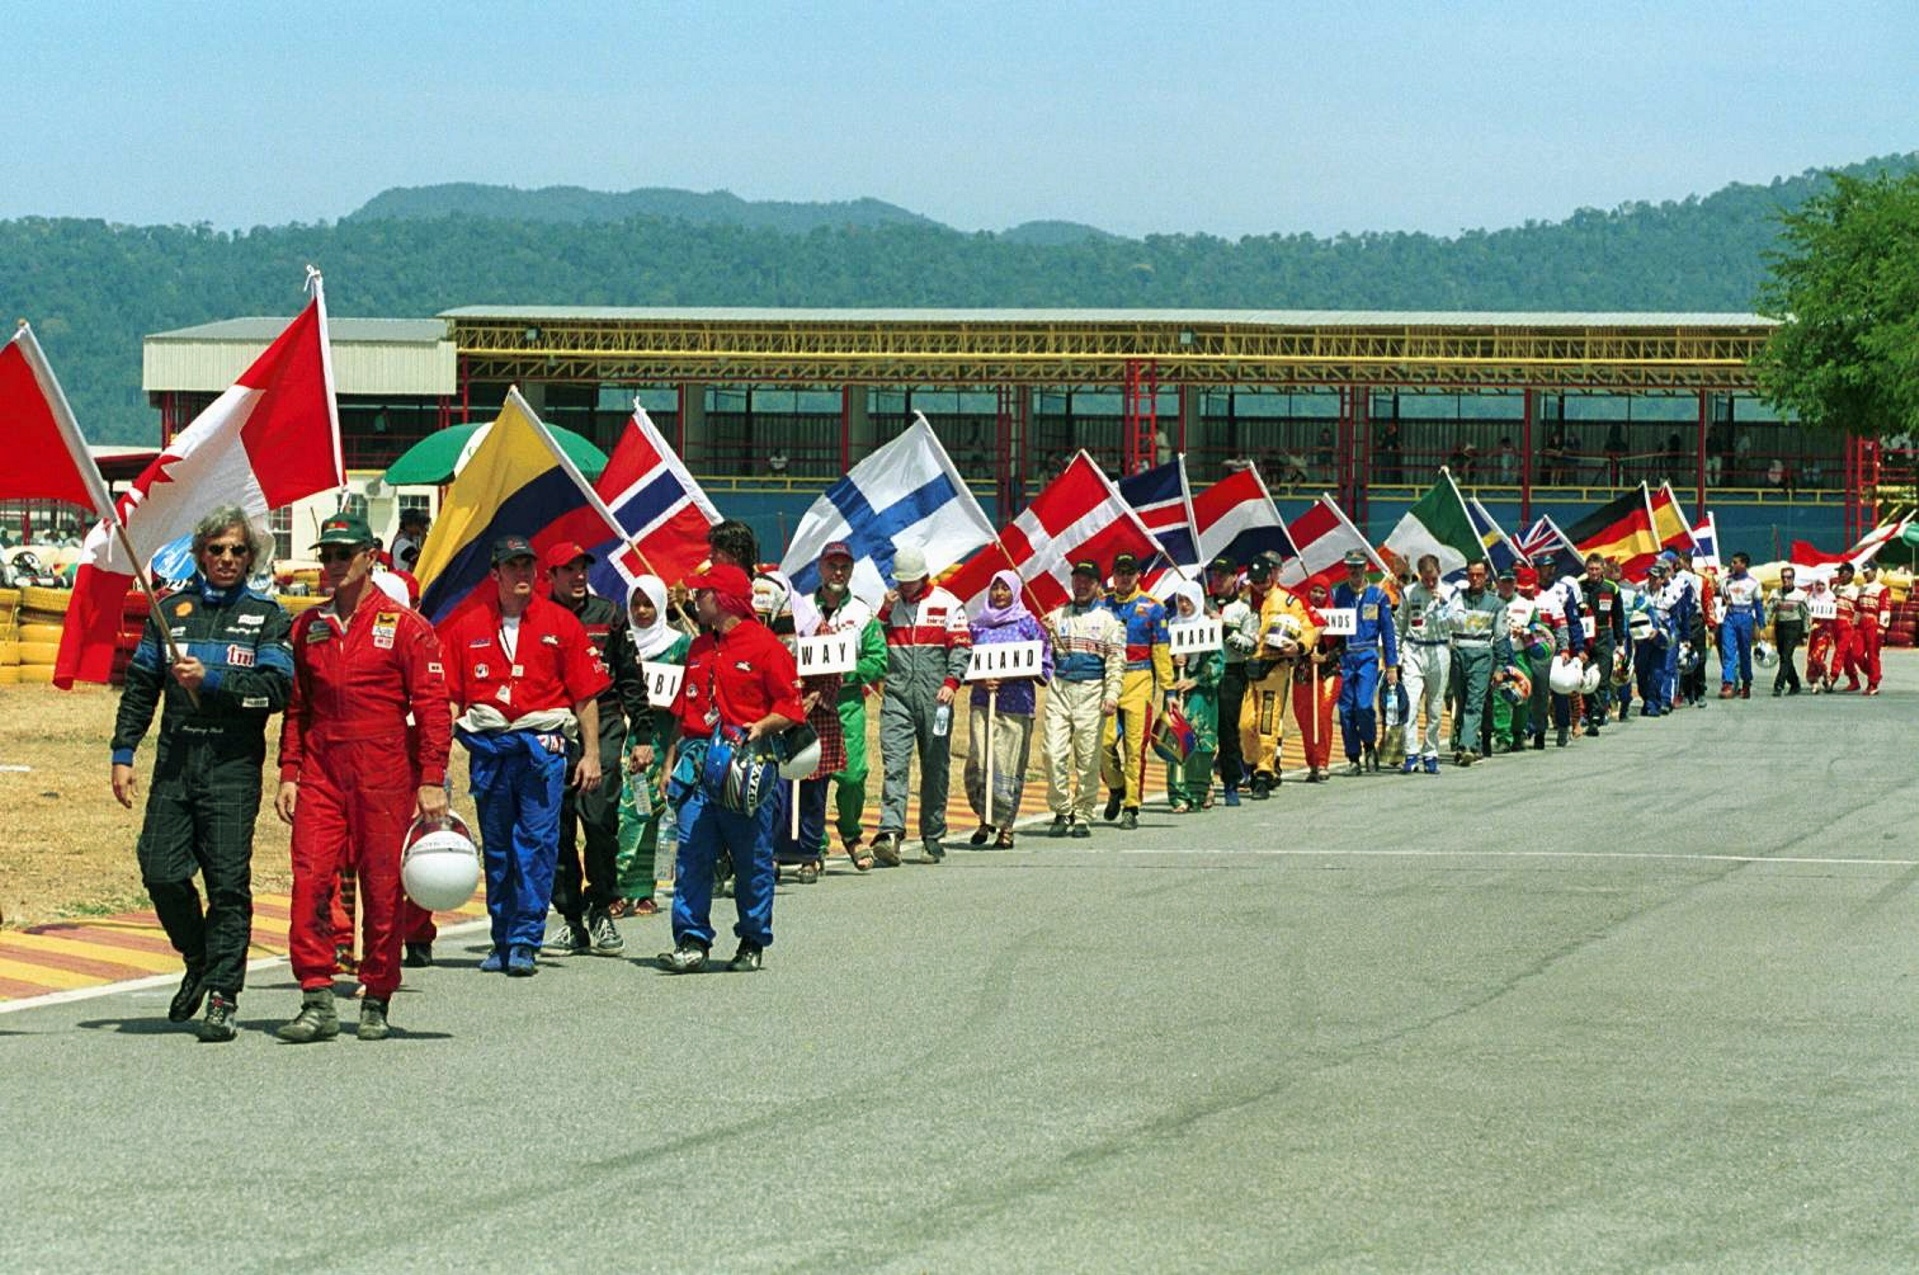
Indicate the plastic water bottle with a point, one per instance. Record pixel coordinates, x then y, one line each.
642 796
1392 707
943 720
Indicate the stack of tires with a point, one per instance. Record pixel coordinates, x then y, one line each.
9 637
43 617
1905 621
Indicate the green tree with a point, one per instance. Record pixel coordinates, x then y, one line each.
1845 287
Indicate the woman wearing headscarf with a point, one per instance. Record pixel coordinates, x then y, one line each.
1189 785
1003 619
655 641
791 615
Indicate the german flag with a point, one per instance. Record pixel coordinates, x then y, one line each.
1622 530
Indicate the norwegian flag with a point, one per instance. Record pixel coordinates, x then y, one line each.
661 506
1324 535
272 439
1079 516
1164 502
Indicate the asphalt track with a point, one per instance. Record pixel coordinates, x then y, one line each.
1643 1003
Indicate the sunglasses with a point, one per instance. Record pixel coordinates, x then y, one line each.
227 551
339 553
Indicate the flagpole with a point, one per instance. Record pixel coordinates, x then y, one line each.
89 470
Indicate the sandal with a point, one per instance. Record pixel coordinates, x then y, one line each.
643 907
981 835
1182 808
809 872
618 909
862 857
1004 841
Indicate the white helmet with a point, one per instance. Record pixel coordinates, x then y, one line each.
440 866
1589 680
1765 654
1639 626
1566 676
800 749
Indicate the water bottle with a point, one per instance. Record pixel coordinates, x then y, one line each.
642 794
1392 707
943 721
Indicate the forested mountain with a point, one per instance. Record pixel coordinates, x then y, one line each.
93 289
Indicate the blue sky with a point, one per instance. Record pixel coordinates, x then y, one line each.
1134 117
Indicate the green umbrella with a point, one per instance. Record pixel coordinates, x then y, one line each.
435 458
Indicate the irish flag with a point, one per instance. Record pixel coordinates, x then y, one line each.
272 439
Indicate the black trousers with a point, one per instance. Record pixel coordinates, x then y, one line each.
1231 763
200 815
598 810
1789 637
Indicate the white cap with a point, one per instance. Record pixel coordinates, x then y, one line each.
909 564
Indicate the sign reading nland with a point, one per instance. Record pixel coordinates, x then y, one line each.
998 661
1194 637
662 682
828 653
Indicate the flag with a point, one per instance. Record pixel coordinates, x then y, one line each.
1164 502
1236 518
1500 550
660 505
271 439
1550 549
907 492
1078 516
1440 525
520 482
1806 554
1622 530
1668 523
1705 539
1324 536
47 459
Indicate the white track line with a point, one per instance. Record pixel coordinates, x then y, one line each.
71 995
1528 854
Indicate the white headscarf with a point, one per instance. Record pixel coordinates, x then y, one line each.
1187 589
652 641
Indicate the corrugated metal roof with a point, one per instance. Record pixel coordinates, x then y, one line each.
370 356
1259 318
343 331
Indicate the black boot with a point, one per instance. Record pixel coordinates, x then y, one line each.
186 1001
317 1019
1564 734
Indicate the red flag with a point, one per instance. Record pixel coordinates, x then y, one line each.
270 440
46 457
1325 535
1078 516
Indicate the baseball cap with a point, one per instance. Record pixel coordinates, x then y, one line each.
1354 558
1125 562
1526 575
344 529
563 553
1260 568
1087 568
1508 575
1223 565
507 548
909 564
838 549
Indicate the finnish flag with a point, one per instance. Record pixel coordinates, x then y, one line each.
906 493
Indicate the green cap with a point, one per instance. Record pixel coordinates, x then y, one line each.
345 529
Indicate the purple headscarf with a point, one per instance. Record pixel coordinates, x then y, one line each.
993 617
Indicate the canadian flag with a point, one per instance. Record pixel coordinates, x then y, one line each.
272 439
1078 517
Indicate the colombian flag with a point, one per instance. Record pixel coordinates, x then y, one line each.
1621 530
518 482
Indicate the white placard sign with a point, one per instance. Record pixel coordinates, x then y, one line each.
662 682
828 653
1340 621
1823 608
1589 627
1004 660
1194 637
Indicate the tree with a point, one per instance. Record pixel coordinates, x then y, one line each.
1845 288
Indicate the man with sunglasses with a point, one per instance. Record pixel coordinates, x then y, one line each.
362 751
232 672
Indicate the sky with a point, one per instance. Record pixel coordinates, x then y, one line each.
1138 118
